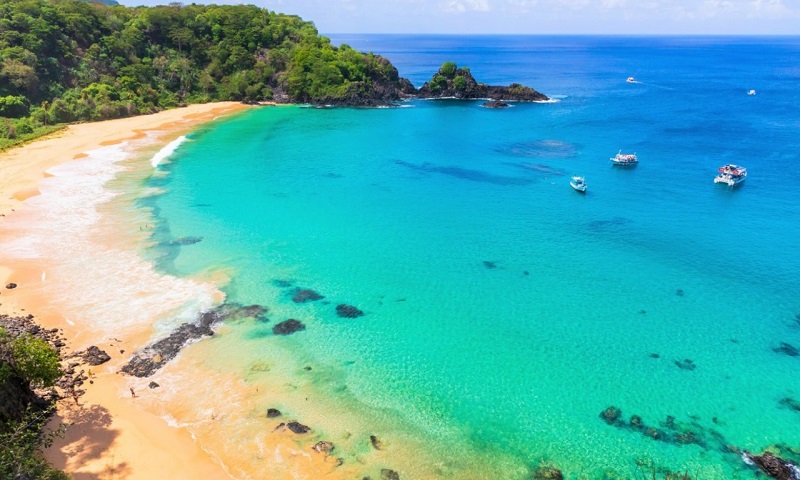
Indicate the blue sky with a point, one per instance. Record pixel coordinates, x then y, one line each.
742 17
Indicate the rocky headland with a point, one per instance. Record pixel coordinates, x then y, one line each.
458 83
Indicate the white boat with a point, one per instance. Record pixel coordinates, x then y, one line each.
578 183
630 80
731 175
624 159
751 92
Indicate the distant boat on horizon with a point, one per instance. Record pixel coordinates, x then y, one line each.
630 80
751 92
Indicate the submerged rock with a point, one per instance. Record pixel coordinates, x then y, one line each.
685 364
288 327
611 415
547 472
183 241
348 311
273 413
490 265
790 403
387 474
377 444
298 427
323 447
303 295
787 349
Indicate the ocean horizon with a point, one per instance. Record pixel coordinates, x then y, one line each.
466 313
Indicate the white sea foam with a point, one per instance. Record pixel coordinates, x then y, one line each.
168 150
94 277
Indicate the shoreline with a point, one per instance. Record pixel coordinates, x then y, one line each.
111 433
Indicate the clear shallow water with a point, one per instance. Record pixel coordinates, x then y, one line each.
504 311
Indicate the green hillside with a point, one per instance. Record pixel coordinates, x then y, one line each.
69 60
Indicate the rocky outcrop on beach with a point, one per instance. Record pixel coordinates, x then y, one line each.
453 82
147 361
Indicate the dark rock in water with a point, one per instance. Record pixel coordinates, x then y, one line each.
183 241
323 447
787 349
773 466
387 474
348 311
11 286
790 403
297 427
303 295
94 356
655 355
526 273
307 368
148 360
653 433
282 283
611 415
679 292
547 472
643 312
288 327
686 438
496 104
489 265
153 385
636 421
376 442
273 412
670 422
685 364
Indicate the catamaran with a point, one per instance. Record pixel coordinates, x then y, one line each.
731 175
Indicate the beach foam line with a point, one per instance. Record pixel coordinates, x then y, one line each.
168 150
94 275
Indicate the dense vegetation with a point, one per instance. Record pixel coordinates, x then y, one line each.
25 362
67 60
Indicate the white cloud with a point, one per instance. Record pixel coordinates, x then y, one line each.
466 6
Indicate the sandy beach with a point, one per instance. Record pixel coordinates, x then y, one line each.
111 435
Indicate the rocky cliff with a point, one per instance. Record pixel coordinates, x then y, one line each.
453 82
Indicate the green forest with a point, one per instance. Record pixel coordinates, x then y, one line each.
64 61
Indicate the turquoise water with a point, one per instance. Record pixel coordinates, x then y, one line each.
502 309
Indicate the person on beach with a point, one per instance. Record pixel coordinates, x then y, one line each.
133 394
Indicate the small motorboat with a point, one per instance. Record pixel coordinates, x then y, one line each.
630 80
751 92
578 183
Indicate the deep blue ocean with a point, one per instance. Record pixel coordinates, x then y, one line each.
503 311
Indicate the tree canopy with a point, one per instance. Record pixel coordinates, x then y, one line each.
68 60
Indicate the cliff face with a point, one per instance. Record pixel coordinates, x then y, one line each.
15 397
453 82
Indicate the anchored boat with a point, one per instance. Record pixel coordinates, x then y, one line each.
578 183
731 175
625 159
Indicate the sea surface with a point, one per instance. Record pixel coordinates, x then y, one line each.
503 311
